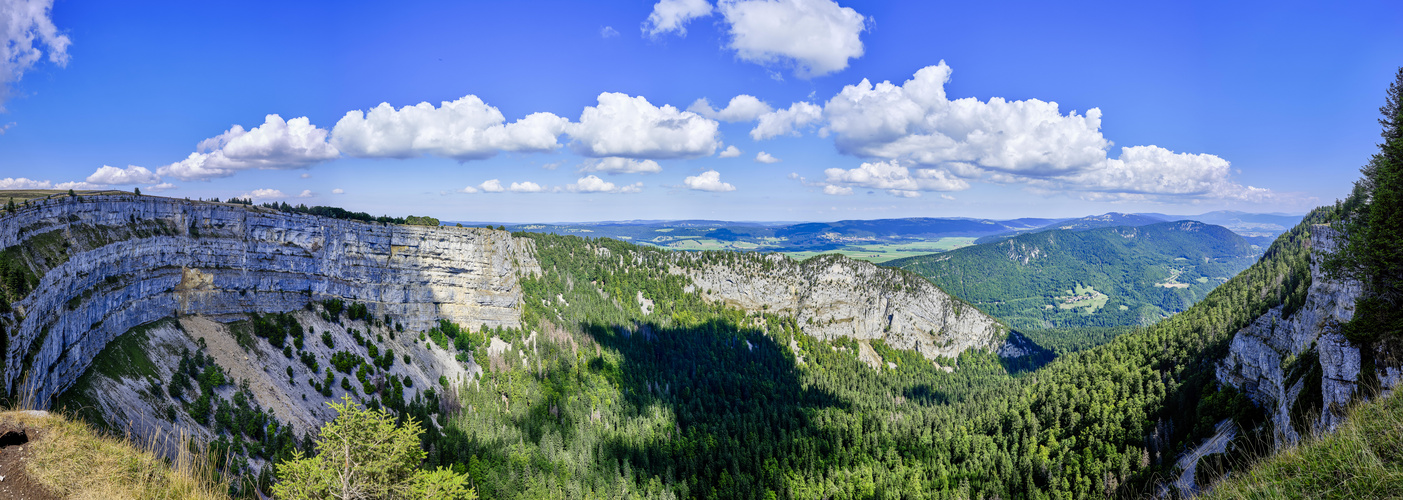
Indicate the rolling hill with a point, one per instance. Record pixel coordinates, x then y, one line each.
1107 276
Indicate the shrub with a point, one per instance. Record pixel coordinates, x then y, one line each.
363 454
333 308
345 361
357 311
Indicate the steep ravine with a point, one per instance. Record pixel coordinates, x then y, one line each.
109 263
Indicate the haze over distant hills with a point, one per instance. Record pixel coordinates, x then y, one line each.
881 240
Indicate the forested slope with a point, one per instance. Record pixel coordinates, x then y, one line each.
1108 276
696 399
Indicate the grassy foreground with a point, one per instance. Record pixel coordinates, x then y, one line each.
73 461
1363 458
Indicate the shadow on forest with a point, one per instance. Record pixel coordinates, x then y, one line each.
715 364
927 395
735 393
1034 355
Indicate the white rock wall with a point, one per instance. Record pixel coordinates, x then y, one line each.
839 297
136 259
1257 353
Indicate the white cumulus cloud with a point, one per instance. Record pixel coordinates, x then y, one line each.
133 174
78 185
27 34
729 152
786 121
491 186
264 194
916 122
526 187
891 176
26 183
592 184
164 186
709 180
837 190
1030 142
1152 171
617 165
338 191
764 157
276 144
632 127
673 15
608 32
306 193
817 37
742 108
465 129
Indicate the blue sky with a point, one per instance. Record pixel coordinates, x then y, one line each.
1171 107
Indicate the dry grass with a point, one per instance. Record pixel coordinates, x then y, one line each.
74 461
1363 458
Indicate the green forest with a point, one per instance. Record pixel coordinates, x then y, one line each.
597 400
1101 277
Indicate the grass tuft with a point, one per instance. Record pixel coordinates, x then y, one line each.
74 461
1363 458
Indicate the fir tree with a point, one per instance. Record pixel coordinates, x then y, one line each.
1373 252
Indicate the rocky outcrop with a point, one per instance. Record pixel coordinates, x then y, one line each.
109 263
1278 358
833 296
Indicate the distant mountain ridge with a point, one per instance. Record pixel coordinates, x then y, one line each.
1259 229
786 236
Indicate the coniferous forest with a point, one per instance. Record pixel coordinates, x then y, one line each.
698 400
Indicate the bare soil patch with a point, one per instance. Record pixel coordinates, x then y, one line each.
15 449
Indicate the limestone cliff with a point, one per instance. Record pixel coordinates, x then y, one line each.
1279 357
833 296
109 263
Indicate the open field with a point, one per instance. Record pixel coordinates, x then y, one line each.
879 253
23 195
1083 296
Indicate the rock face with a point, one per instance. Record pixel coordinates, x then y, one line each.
1272 360
130 400
833 296
109 263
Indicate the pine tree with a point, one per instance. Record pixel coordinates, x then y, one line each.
1373 252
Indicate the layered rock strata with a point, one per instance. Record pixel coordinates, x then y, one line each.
834 296
109 263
